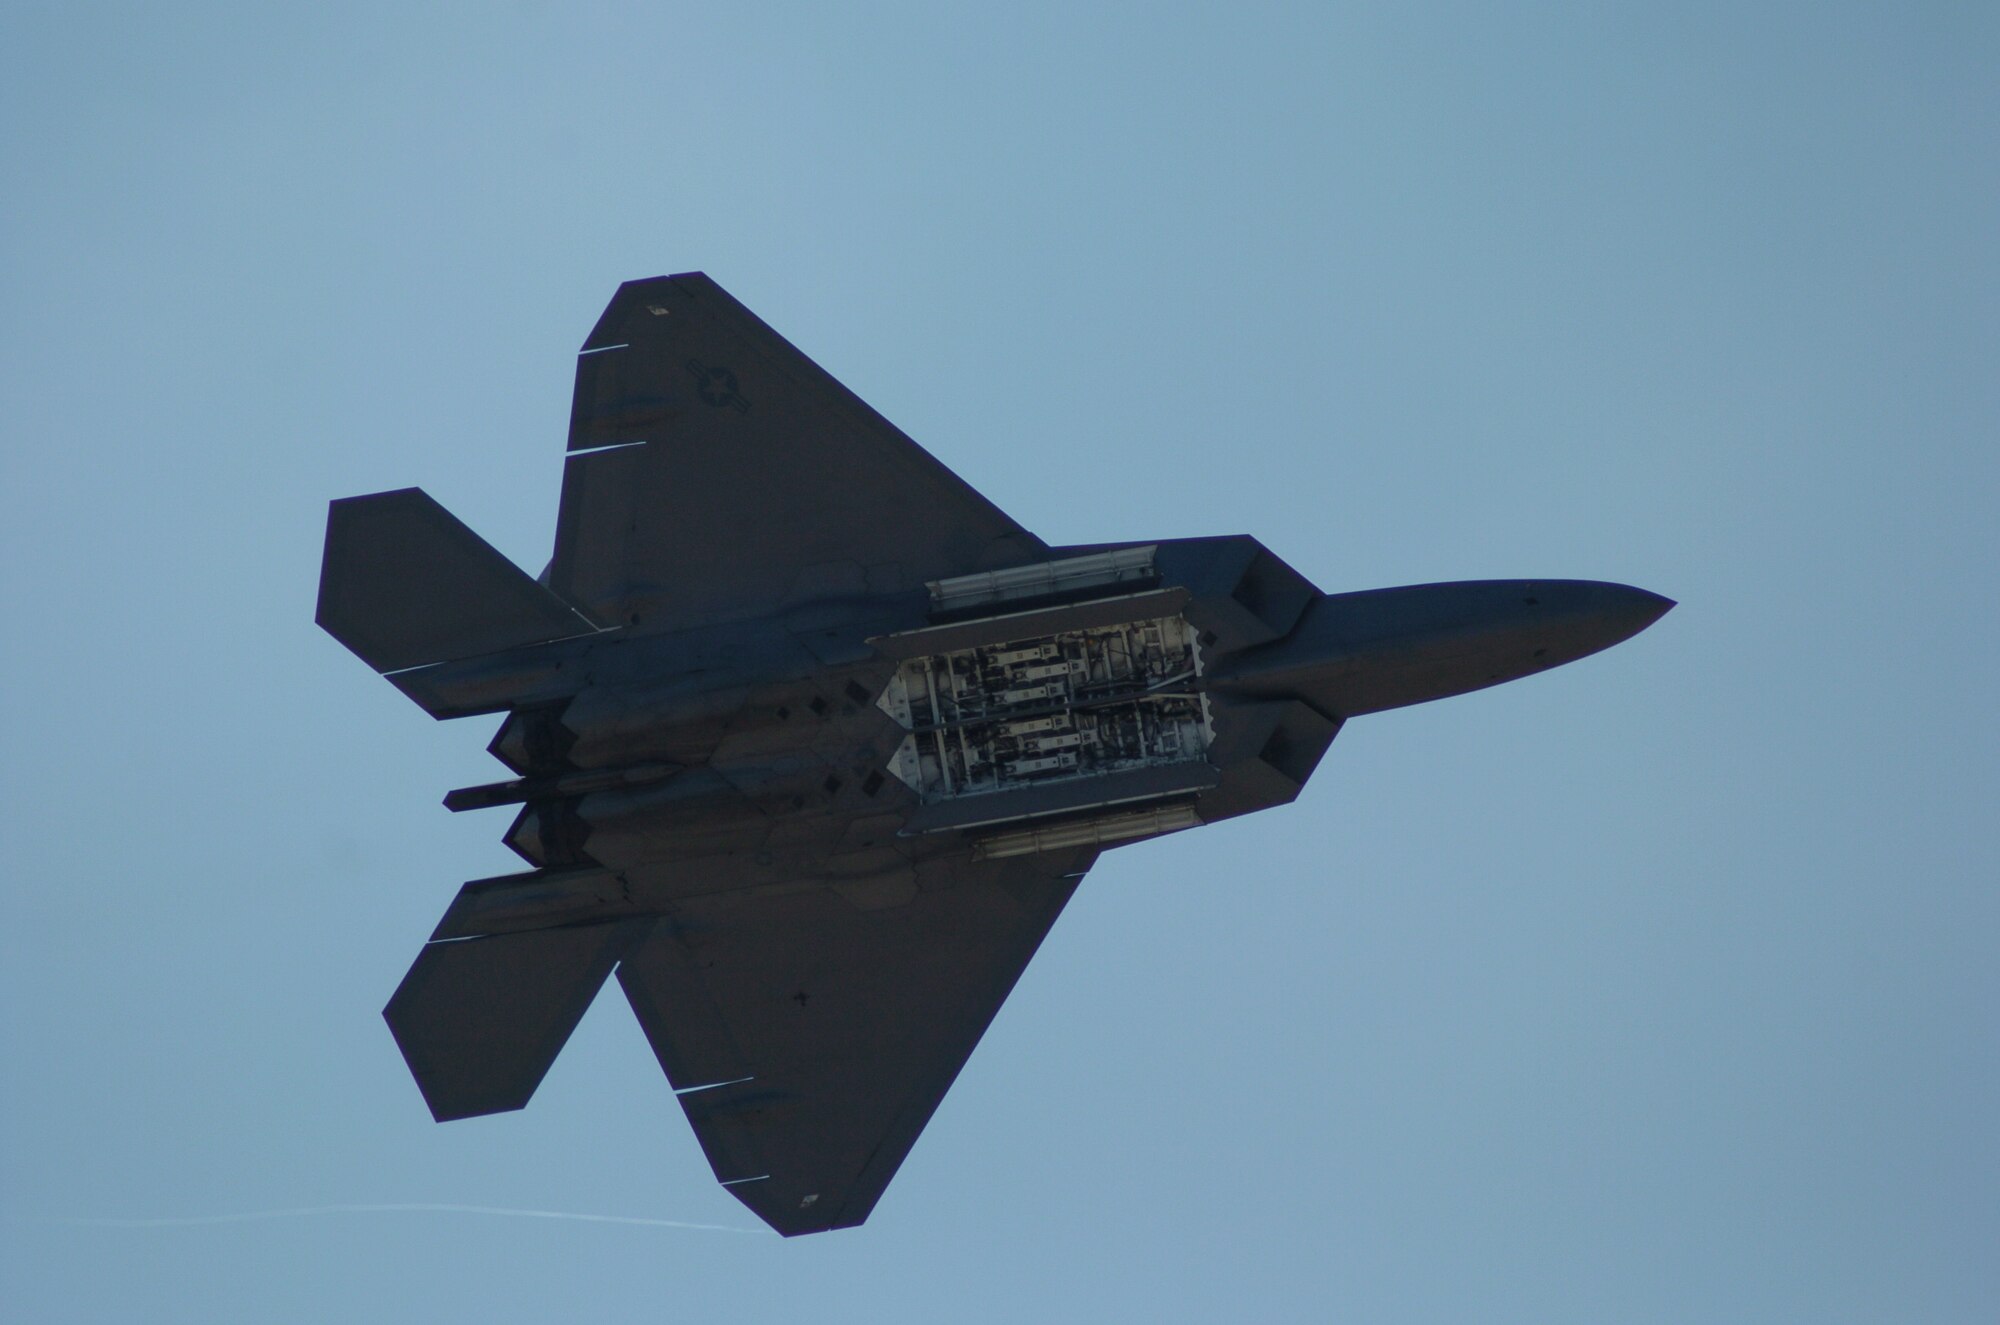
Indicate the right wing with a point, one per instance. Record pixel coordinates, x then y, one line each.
810 1040
713 466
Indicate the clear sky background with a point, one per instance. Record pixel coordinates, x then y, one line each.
1658 988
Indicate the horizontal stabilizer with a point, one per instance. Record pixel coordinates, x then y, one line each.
542 899
480 1020
405 583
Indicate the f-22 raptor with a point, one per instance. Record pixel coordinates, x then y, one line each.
812 742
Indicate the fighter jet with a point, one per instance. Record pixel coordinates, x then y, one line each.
812 742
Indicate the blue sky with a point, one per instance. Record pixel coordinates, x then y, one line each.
1658 988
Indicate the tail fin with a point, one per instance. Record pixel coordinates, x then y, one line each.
480 1020
405 583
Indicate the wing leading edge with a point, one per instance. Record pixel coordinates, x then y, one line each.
715 471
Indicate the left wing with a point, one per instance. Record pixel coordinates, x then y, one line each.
810 1039
714 471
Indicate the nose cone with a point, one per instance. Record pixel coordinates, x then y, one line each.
1364 652
1580 617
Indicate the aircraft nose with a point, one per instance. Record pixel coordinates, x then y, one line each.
1595 614
1384 648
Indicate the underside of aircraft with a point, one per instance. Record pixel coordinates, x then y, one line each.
812 743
